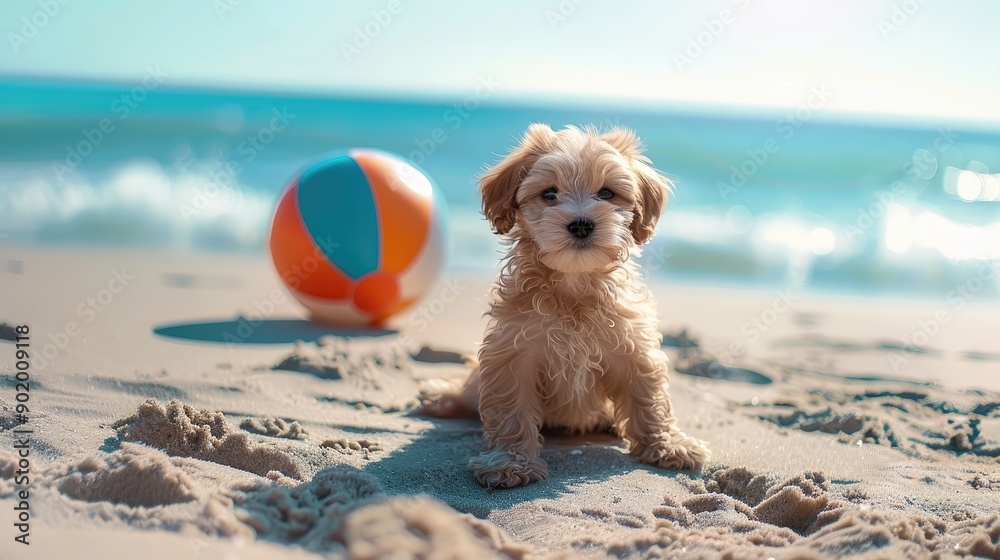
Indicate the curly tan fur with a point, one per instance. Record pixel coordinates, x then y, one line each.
573 341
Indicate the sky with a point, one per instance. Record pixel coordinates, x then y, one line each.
926 58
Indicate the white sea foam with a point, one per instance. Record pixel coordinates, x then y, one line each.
137 202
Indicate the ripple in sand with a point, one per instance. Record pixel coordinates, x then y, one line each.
932 419
275 427
736 513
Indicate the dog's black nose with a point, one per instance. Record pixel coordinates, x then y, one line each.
580 227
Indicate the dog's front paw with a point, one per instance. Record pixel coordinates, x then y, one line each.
673 451
503 469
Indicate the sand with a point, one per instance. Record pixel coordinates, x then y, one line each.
242 431
182 431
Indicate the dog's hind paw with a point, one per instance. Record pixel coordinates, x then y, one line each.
442 398
445 407
503 469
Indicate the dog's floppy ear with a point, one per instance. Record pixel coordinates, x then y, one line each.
653 187
654 190
498 186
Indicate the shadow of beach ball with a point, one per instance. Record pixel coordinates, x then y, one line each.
359 237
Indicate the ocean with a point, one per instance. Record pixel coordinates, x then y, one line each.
799 198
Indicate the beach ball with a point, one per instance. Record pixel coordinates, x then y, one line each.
359 236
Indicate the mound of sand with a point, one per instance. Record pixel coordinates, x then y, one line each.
275 427
345 511
182 431
134 475
340 510
421 527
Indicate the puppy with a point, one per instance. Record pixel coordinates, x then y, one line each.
573 341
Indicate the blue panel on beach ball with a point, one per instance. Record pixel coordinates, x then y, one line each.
338 210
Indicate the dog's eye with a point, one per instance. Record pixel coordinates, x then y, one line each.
605 194
549 193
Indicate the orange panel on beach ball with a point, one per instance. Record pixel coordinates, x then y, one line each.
376 291
405 201
298 261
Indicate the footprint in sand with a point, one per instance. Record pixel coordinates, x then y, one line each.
7 332
794 503
981 356
692 361
360 375
431 356
714 370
